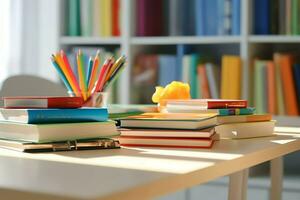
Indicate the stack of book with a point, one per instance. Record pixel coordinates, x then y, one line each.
34 124
195 123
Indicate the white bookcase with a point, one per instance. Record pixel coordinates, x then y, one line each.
246 45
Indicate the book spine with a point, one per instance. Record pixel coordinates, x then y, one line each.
115 17
74 18
199 13
66 115
261 17
228 104
238 111
236 12
63 103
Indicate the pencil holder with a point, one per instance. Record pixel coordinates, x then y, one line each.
97 99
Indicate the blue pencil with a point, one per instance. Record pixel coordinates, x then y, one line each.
89 70
61 74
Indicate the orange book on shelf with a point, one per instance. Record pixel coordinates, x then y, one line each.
271 85
115 17
289 92
203 82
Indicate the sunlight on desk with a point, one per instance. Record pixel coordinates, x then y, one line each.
283 129
190 154
282 141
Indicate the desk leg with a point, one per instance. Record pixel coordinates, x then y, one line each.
276 169
238 183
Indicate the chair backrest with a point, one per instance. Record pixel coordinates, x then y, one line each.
28 85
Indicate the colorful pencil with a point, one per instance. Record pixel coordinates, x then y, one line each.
70 73
81 74
115 75
100 81
60 73
94 72
89 70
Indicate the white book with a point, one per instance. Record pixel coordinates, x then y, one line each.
96 18
212 77
186 62
246 130
86 17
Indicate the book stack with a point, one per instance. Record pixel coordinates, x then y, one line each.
276 85
34 124
234 118
195 123
168 130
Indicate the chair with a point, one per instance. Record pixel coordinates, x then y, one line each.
29 85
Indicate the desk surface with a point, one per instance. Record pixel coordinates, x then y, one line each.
129 173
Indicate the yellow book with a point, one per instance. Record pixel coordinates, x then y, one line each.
106 18
231 77
97 23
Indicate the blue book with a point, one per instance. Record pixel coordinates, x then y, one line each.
236 14
211 21
261 17
200 17
188 22
167 69
179 58
296 69
220 17
48 116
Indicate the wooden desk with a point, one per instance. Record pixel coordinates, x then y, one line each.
135 173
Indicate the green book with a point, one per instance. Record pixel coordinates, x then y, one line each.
86 17
194 83
295 17
74 18
259 96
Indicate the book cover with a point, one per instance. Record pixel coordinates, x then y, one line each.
211 21
74 18
115 17
212 77
236 16
271 88
210 103
221 17
42 102
289 92
261 17
200 17
106 20
203 82
86 17
295 21
141 17
42 116
279 87
259 88
193 76
244 118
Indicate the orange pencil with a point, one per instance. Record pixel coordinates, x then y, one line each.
71 73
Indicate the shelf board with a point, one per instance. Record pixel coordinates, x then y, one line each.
173 40
79 40
274 39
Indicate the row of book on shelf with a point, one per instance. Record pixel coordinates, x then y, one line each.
100 18
276 17
35 124
155 17
193 17
274 87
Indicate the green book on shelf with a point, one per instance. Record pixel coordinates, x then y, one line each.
74 18
295 17
86 17
195 91
259 93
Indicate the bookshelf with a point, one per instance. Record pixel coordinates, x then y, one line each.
245 45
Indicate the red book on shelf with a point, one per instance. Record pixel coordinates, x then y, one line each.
141 17
115 17
209 103
203 81
42 102
289 92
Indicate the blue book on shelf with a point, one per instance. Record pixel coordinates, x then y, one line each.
179 58
296 69
167 69
236 14
261 17
48 116
220 17
200 17
211 21
188 17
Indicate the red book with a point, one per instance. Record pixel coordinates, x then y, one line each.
115 17
209 103
170 142
42 102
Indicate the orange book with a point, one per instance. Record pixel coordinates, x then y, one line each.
289 92
271 85
115 17
203 82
